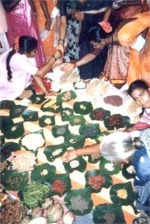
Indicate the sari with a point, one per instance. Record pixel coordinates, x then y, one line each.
139 67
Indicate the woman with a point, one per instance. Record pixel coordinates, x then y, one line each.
128 36
118 58
125 148
21 20
140 93
3 30
17 69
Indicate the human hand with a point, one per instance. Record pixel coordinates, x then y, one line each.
69 155
68 66
106 26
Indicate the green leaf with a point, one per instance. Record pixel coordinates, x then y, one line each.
7 148
59 183
60 130
76 164
77 120
108 168
96 180
90 130
37 99
75 141
46 120
108 213
54 151
14 180
55 107
83 107
41 172
15 131
66 96
17 111
116 121
5 123
66 113
122 194
79 201
128 171
30 115
7 104
99 114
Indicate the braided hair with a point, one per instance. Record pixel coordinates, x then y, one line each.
26 45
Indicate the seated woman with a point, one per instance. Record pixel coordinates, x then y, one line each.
120 147
17 69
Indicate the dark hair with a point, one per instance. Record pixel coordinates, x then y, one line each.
137 84
26 45
96 33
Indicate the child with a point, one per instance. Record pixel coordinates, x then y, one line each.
17 70
140 93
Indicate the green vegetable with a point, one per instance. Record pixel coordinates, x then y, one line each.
14 180
34 194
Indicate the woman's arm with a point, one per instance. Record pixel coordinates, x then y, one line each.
88 150
44 7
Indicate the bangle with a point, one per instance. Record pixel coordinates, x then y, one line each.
55 58
61 41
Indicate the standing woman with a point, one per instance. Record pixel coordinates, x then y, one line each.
22 21
17 69
3 30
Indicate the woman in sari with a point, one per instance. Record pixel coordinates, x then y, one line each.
129 35
21 20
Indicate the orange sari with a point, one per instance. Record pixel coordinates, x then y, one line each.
139 65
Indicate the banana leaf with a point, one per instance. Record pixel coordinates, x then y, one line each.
41 172
14 180
54 151
15 131
79 201
66 96
108 213
123 194
46 120
83 107
30 115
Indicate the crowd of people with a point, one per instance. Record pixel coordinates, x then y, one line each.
102 38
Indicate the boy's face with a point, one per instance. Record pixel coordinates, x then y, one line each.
141 97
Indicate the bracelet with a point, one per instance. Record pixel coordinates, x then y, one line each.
55 58
61 41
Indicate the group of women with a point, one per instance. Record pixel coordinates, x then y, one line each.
125 60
